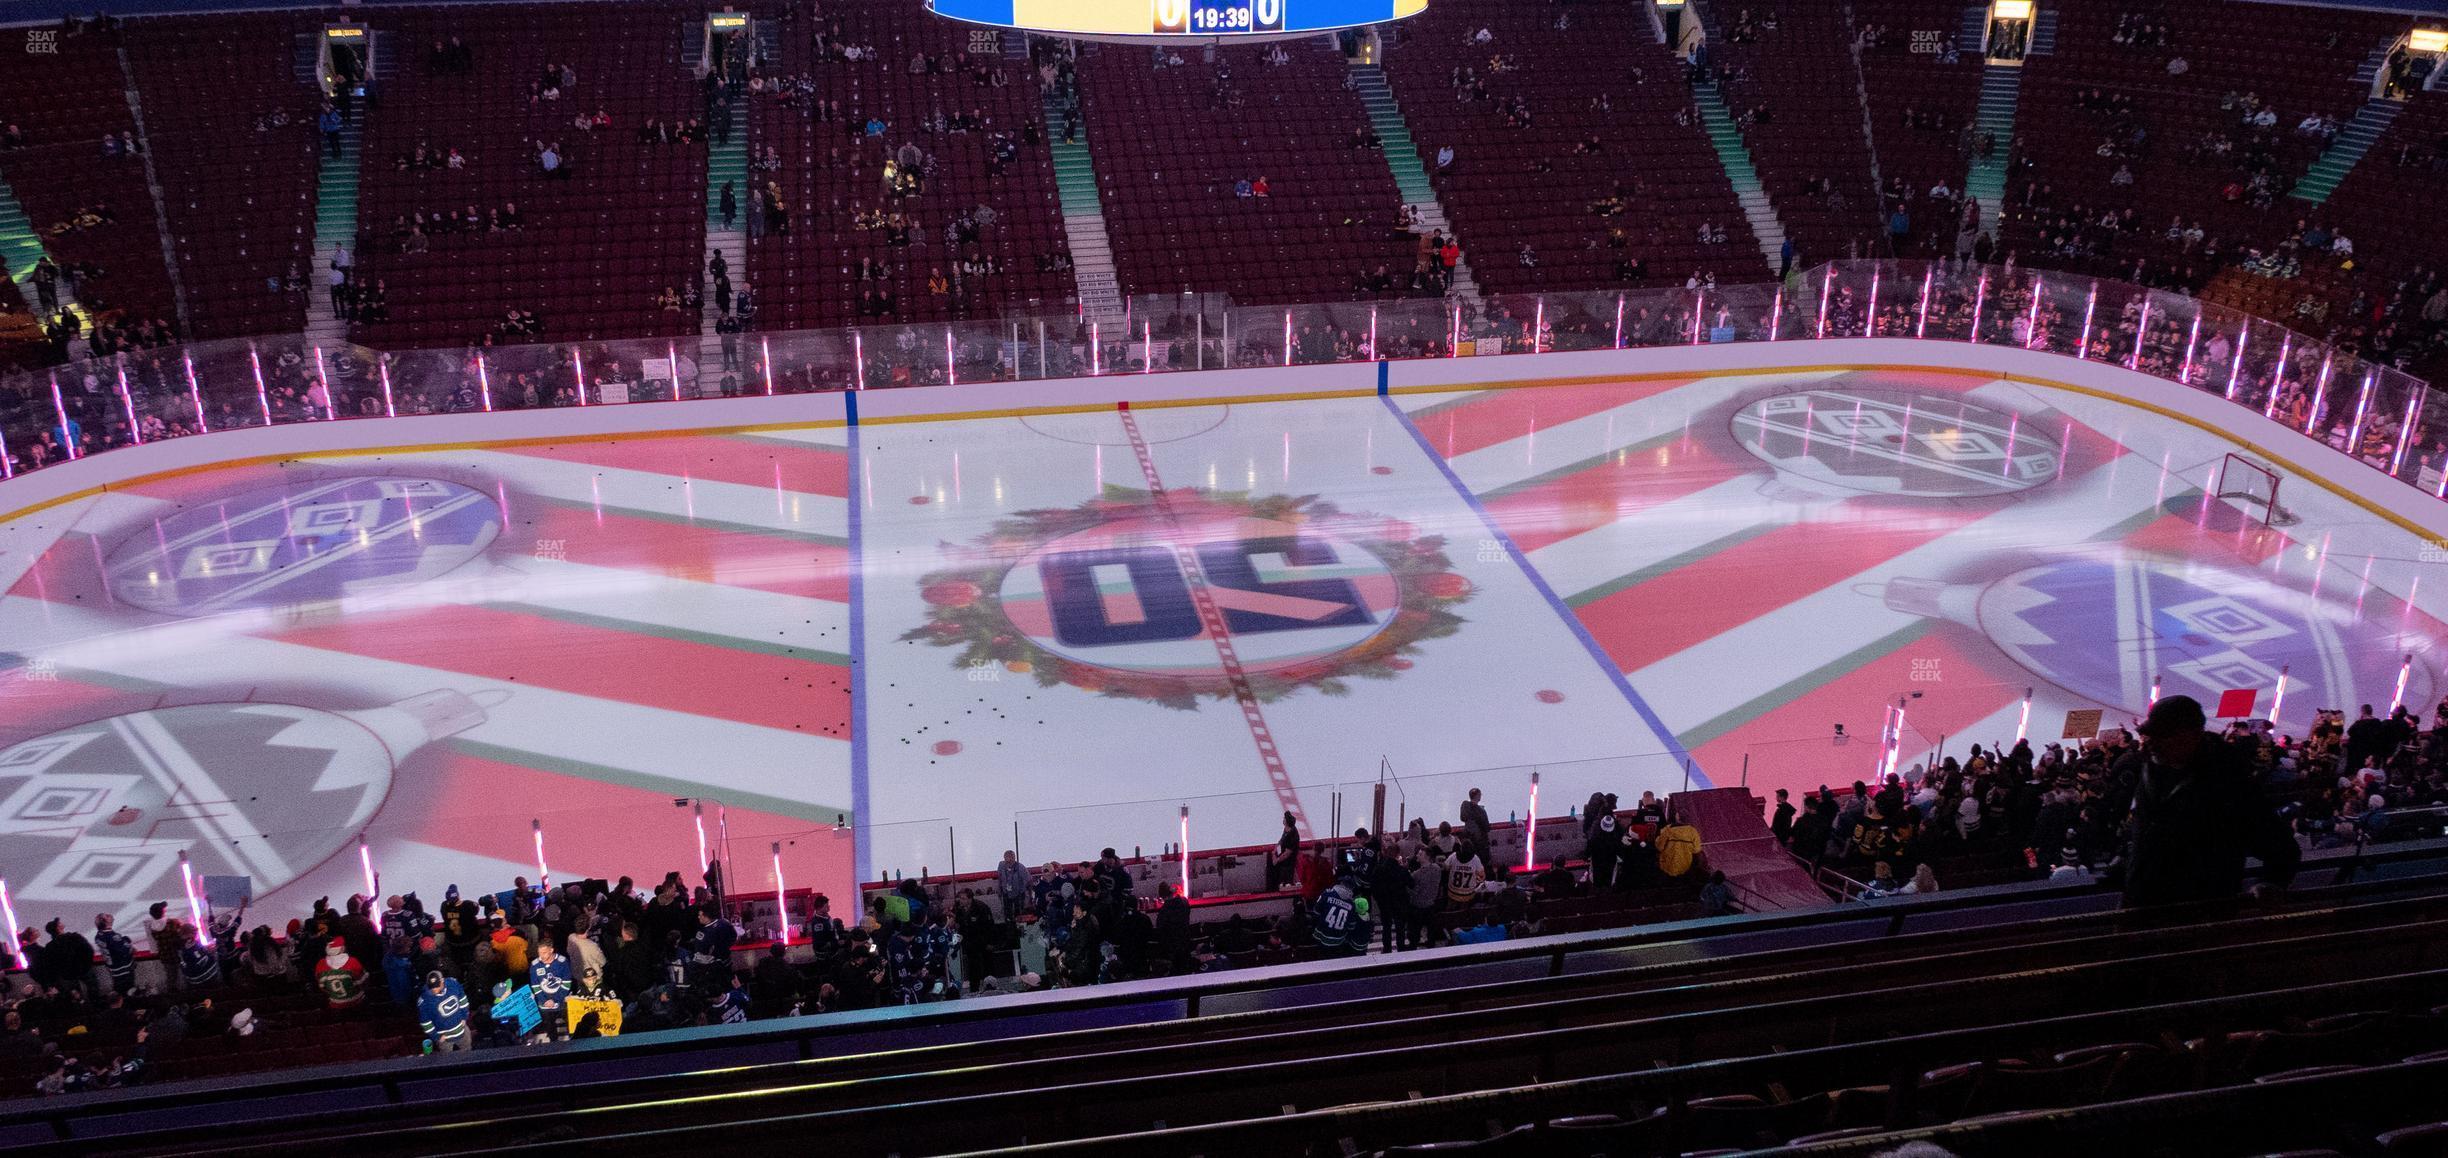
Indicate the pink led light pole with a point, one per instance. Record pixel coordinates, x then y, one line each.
2279 701
2404 670
195 901
951 364
543 874
484 383
263 398
2191 341
1287 338
2354 433
1096 351
331 411
195 394
127 406
1538 324
2320 399
2082 345
365 862
6 471
1372 346
2141 336
2031 324
1870 316
1147 346
1827 290
699 807
1453 340
781 893
1921 328
1530 826
2405 433
1980 300
858 358
1776 314
1185 851
765 349
390 406
578 371
1619 308
2023 722
9 911
60 408
2278 377
1699 307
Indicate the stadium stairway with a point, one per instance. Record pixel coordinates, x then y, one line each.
726 164
1726 137
1410 168
161 210
2001 93
2354 140
1765 877
21 247
335 193
1075 183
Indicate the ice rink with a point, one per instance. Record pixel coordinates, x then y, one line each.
915 645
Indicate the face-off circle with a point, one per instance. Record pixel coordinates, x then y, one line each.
308 542
1897 442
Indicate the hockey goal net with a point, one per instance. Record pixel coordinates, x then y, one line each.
2251 485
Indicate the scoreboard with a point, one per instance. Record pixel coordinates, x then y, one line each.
1197 18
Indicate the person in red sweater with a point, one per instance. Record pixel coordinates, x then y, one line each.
340 977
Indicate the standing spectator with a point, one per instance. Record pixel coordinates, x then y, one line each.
1012 884
1605 850
1427 895
2197 815
1475 821
1173 930
1390 898
329 122
118 953
442 1010
340 977
66 962
199 961
709 956
549 975
1678 847
1284 857
1782 824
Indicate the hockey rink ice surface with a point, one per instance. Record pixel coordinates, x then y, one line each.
1054 632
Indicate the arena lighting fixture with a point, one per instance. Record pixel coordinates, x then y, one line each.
390 409
2235 369
1372 347
543 874
1619 304
765 347
2442 491
127 406
2279 701
2404 669
16 947
2141 336
61 408
1776 316
2320 402
1921 328
858 358
2031 324
1147 345
2012 10
1896 749
2082 345
2155 682
1185 845
1538 323
2354 433
2278 376
781 893
1453 341
1699 307
1827 289
2191 340
330 408
365 861
195 903
1670 4
673 352
1870 316
1287 338
1530 826
2405 434
263 398
195 393
578 367
2427 40
2023 722
951 367
1096 351
1980 298
484 383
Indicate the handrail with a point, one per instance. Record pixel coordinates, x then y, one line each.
242 383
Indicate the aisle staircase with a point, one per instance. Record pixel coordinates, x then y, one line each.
1100 289
21 247
725 164
1726 137
1410 167
2043 33
2354 140
335 225
2001 94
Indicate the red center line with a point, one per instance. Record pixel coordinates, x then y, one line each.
1212 617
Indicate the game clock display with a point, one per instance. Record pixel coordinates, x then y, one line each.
1177 17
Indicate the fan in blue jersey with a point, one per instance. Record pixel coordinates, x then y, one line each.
710 950
549 975
732 1006
118 953
1336 920
443 1012
198 961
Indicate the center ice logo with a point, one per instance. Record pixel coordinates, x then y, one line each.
1114 597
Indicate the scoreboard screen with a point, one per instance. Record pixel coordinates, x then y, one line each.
1177 17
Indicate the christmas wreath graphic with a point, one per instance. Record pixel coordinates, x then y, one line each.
993 605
